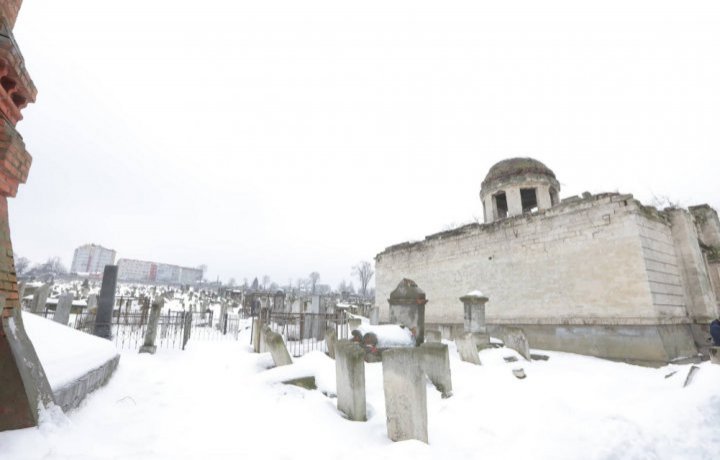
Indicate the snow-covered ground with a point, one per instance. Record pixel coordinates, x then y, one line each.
217 400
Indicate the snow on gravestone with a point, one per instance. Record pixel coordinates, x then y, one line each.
515 338
350 380
467 349
405 395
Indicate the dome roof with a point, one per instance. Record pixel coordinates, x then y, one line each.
516 167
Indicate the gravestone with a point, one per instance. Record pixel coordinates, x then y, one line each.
405 395
276 346
40 299
514 338
435 361
256 332
330 341
714 355
21 291
62 310
151 331
474 318
106 303
407 308
92 302
263 334
350 380
467 349
375 316
354 323
433 336
187 327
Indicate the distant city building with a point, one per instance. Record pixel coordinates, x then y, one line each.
92 258
152 272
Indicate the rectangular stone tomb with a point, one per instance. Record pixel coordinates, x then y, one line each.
405 395
350 379
436 365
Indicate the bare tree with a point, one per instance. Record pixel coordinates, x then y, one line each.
21 265
314 278
364 272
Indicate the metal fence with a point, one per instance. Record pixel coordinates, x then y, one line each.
175 328
305 332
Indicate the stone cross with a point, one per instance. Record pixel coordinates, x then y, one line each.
151 331
106 303
62 310
350 379
405 395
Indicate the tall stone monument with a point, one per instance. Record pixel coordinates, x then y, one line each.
106 303
23 384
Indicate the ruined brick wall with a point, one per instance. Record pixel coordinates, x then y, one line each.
603 260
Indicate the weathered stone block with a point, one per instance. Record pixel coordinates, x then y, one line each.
276 346
433 336
62 310
514 338
435 361
106 303
40 299
151 331
405 395
467 349
331 341
256 329
350 379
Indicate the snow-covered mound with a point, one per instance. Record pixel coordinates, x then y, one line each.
389 335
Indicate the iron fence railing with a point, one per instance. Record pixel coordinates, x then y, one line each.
305 332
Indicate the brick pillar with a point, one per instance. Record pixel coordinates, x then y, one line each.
24 388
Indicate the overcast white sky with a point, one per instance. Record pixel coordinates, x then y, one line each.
284 137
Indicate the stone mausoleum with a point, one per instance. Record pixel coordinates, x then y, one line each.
600 275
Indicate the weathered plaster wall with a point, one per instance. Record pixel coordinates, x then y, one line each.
583 262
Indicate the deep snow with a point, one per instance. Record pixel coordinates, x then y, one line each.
217 400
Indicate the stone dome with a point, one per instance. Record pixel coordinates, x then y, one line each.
506 169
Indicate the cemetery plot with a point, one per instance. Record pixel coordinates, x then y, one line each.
305 332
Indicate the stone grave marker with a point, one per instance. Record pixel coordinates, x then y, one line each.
276 346
350 379
405 395
331 341
151 331
435 361
467 349
62 310
40 299
515 338
106 303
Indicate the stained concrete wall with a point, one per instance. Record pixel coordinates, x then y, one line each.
600 261
71 395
